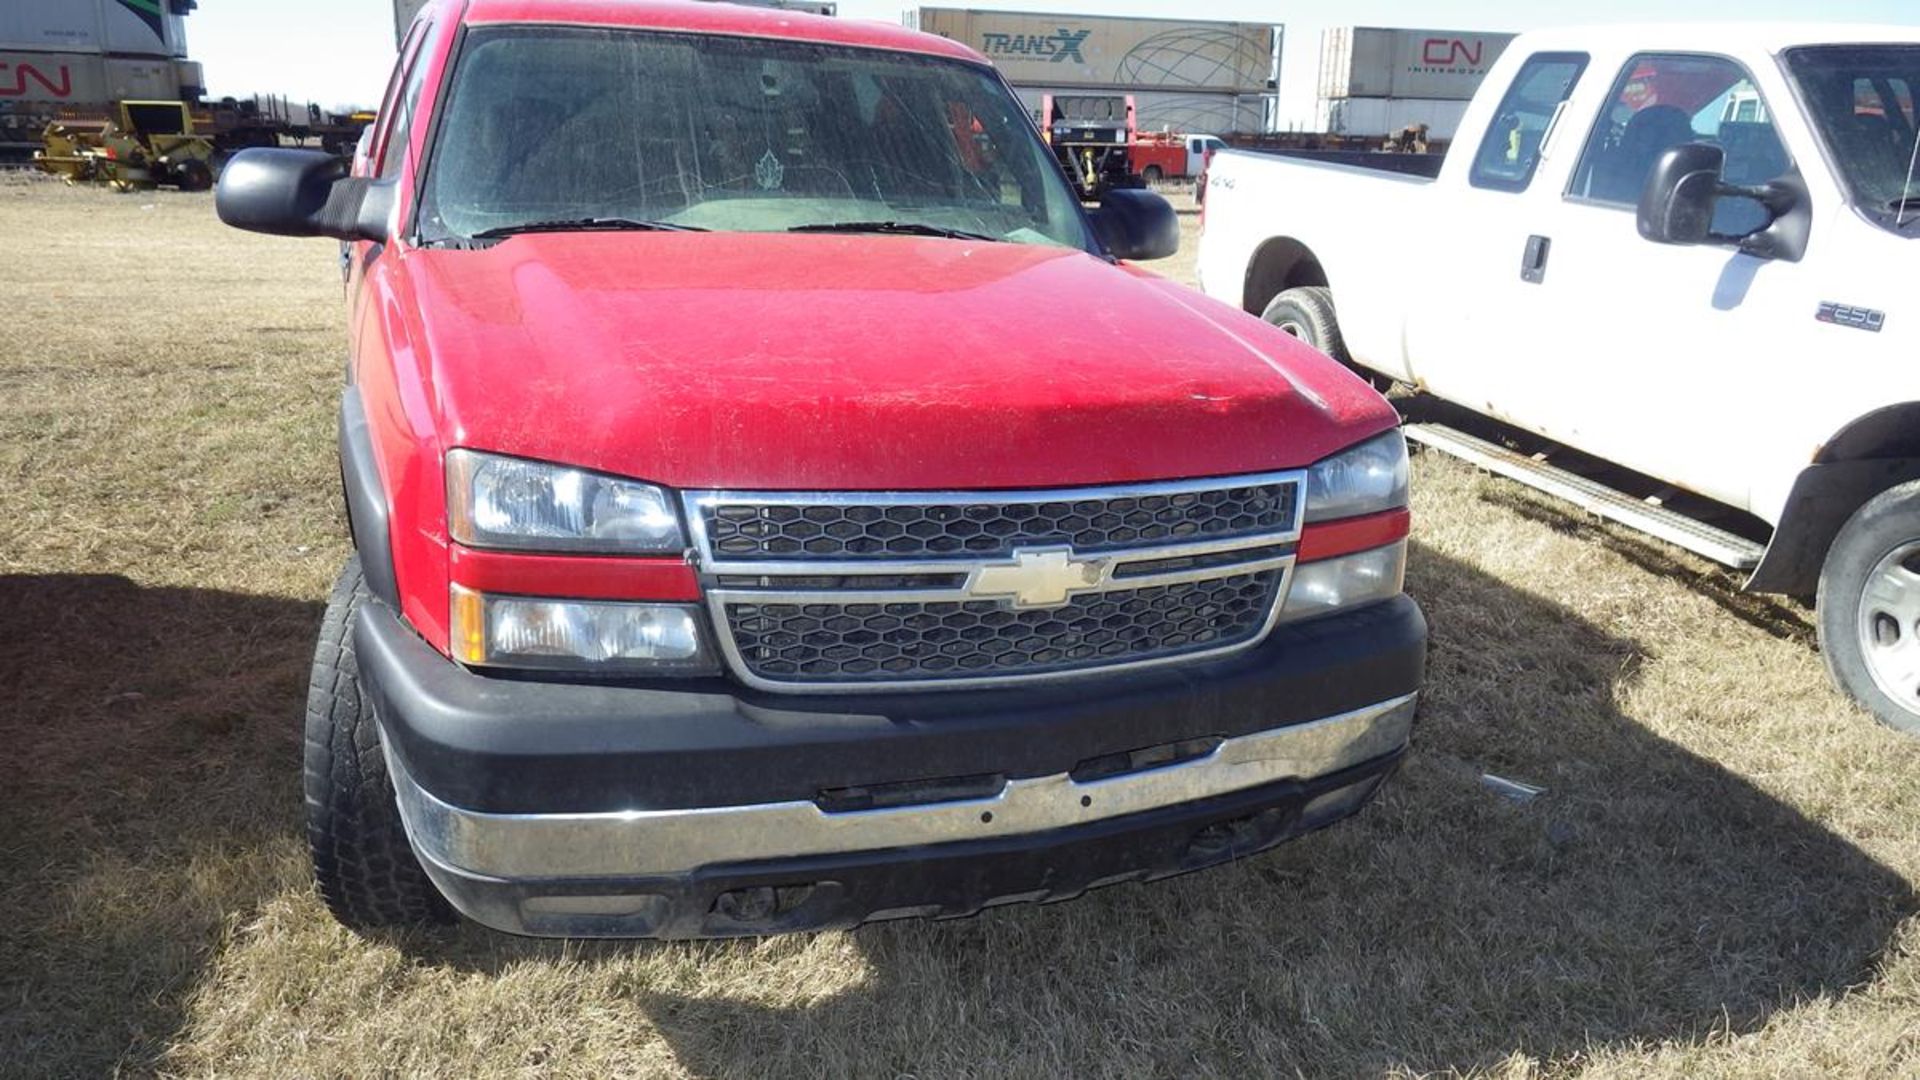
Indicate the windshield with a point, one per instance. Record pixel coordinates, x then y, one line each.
1862 100
556 125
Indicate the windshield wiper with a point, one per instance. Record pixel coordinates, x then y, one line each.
585 224
904 228
1905 210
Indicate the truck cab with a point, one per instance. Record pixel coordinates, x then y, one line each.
1198 147
733 555
1679 249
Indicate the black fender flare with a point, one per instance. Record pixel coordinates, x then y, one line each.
1863 459
368 514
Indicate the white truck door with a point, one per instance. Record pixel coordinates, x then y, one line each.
1473 319
1647 354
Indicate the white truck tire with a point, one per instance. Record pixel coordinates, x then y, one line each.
1869 607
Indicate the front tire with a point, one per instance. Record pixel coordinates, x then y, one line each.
363 864
1869 607
1307 313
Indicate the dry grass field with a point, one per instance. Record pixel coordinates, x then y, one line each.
1722 878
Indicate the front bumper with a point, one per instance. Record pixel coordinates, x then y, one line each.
594 810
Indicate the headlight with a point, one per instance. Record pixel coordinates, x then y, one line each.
1346 581
1367 479
579 635
503 502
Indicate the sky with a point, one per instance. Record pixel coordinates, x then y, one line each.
337 53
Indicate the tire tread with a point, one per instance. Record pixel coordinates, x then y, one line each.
363 866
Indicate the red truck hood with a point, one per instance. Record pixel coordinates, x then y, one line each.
863 362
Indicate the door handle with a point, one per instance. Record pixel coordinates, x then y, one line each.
1533 265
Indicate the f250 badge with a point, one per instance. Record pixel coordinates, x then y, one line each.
1856 317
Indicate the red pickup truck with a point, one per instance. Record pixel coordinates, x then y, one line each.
767 516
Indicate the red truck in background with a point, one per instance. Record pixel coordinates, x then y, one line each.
1096 139
1164 155
736 551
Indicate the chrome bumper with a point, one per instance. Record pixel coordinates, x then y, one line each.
665 843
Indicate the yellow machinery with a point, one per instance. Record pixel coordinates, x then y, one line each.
147 144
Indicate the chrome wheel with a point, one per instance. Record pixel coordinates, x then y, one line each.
1294 328
1889 624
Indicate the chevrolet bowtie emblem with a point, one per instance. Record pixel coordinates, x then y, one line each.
1040 577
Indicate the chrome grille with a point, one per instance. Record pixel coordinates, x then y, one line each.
878 642
846 591
915 528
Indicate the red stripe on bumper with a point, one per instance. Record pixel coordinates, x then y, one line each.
577 577
1331 539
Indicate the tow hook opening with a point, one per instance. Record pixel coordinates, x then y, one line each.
761 903
1107 766
942 789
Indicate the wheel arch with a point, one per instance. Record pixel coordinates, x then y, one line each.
368 515
1874 452
1278 264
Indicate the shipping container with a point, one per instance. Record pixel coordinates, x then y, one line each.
1386 116
77 57
39 86
810 7
403 13
1115 53
120 27
1370 62
1160 110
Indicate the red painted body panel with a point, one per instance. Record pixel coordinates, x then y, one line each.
394 377
864 362
795 362
1170 157
579 577
397 392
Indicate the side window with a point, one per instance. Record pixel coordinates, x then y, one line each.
1663 101
393 150
1878 130
1511 149
376 136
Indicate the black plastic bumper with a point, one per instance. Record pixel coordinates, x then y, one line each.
587 810
505 746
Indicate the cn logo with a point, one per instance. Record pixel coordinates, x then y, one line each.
1445 52
16 86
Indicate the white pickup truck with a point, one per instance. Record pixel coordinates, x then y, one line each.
1689 252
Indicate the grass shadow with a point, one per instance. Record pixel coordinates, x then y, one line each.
151 797
1776 616
1649 895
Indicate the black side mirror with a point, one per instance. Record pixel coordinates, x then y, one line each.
1676 207
301 193
1135 225
1685 188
